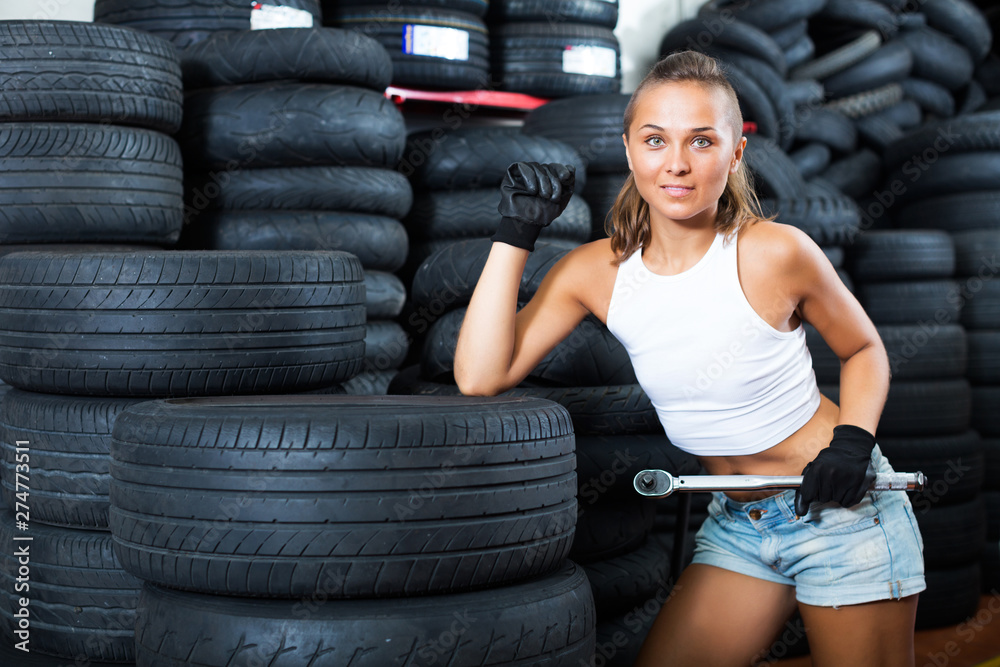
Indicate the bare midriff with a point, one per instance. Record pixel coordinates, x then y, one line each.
788 457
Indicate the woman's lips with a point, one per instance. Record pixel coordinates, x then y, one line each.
677 190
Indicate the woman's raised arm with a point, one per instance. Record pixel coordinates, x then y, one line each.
497 345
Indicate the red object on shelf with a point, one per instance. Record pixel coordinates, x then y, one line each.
479 98
749 127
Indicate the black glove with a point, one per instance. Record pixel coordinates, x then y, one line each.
531 196
840 472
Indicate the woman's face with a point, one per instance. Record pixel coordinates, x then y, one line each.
681 150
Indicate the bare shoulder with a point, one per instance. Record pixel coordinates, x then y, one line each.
588 273
778 246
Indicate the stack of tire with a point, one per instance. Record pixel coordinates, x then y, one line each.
351 531
905 282
555 48
290 145
434 44
617 432
456 177
186 22
591 125
86 165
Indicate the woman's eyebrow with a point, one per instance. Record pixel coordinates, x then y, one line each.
694 129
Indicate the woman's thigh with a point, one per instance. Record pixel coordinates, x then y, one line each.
716 618
874 634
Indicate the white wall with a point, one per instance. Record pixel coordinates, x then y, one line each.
641 25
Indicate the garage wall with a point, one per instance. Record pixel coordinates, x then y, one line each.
641 25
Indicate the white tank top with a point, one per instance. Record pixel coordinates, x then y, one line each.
723 381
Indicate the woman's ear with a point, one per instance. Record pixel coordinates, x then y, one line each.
737 155
628 157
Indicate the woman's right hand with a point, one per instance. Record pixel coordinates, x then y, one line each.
532 196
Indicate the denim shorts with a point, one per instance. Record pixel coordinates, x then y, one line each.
833 556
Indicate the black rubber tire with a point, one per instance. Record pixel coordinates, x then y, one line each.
891 63
931 97
876 132
966 212
765 14
529 58
82 604
975 133
289 124
775 175
937 58
857 174
981 309
952 172
350 189
910 302
478 157
904 254
460 629
386 345
601 192
906 114
479 492
590 124
369 383
922 408
163 323
915 352
755 105
594 12
13 656
952 597
835 254
612 527
389 26
620 638
952 464
988 75
863 13
477 7
953 534
379 242
800 52
991 451
606 410
185 22
118 76
606 465
621 583
322 55
699 33
976 251
962 21
986 410
869 102
970 98
89 183
789 33
68 438
421 252
773 86
827 219
839 59
807 92
446 279
811 159
385 295
456 214
589 356
826 126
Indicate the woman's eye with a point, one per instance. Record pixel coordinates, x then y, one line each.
702 142
654 141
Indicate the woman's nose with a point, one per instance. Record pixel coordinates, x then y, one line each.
676 161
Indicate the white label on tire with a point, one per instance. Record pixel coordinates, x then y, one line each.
590 60
270 17
429 40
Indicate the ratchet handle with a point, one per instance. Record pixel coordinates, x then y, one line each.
659 483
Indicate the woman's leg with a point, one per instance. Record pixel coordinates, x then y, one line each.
716 618
873 634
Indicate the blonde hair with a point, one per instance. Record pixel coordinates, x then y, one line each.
628 221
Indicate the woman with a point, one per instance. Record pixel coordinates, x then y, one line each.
709 299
